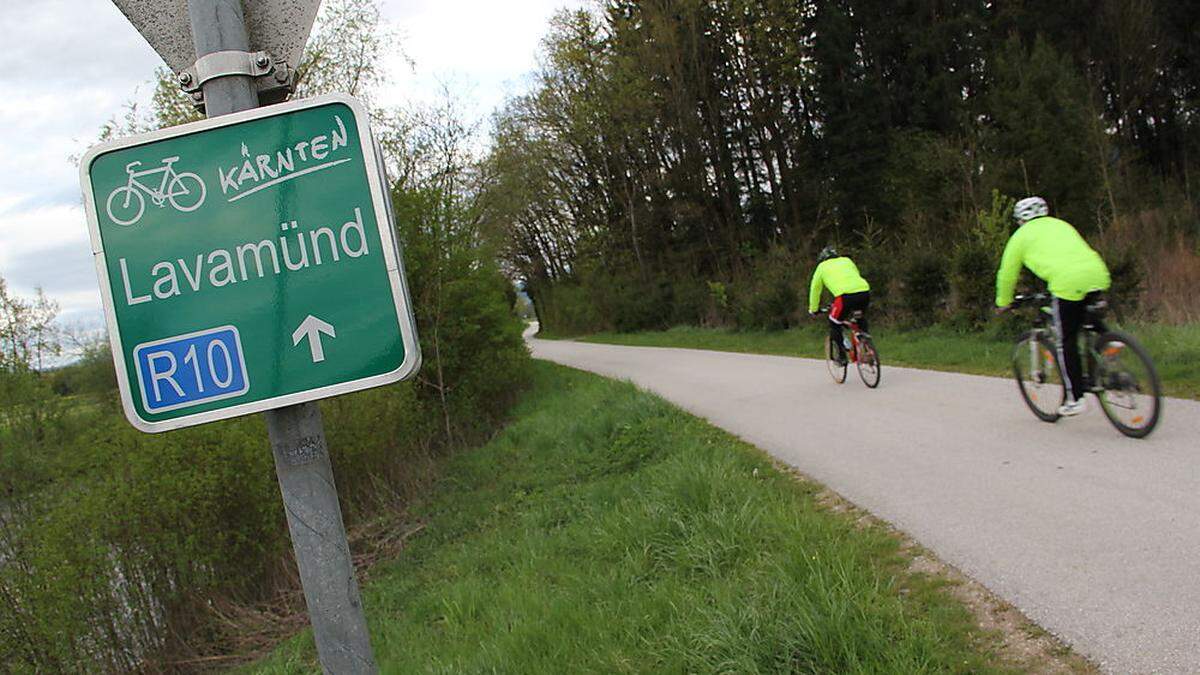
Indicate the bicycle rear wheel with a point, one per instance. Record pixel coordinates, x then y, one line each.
125 205
837 369
869 367
1035 365
1129 390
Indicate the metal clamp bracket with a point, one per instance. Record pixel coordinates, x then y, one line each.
273 78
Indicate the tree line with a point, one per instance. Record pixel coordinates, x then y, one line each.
680 161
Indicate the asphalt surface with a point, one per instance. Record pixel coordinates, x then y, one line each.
1094 536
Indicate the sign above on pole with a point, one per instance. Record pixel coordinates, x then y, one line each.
277 27
248 262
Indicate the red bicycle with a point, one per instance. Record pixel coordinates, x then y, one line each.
862 352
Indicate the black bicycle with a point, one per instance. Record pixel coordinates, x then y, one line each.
1117 369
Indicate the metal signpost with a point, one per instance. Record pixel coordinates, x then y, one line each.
249 263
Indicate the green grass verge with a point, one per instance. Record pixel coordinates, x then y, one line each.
1175 349
607 531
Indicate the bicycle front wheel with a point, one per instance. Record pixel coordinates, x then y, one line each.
869 367
837 368
1127 384
186 192
1035 365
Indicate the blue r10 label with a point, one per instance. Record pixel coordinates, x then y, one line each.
191 369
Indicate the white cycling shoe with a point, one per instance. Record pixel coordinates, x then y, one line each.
1072 408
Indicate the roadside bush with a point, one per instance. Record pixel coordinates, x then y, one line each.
717 308
767 306
972 280
923 180
973 266
485 363
367 433
92 375
566 307
925 286
112 564
691 303
877 261
636 305
474 355
1154 258
1170 282
769 299
620 299
1125 267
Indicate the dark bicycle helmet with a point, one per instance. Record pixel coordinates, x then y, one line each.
827 253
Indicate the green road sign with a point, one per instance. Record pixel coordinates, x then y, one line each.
248 262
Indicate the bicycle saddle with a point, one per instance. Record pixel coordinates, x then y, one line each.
170 160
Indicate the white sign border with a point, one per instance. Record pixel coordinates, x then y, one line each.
384 218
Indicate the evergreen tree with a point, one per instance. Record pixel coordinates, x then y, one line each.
1038 134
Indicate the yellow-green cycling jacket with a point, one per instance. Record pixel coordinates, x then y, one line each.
840 276
1057 254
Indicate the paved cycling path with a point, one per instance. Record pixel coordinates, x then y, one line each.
1094 536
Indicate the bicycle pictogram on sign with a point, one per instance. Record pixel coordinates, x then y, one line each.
185 191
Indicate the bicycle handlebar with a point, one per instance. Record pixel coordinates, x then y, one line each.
1031 299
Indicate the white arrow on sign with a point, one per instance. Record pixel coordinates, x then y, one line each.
312 327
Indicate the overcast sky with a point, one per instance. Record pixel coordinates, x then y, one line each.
76 62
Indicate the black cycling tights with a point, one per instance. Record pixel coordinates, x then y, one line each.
1070 315
843 308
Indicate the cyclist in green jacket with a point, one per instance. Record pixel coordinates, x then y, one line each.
1074 272
850 293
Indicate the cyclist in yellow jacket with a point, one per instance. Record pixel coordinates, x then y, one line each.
1074 273
850 293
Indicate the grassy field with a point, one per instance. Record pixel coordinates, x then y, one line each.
606 531
1175 349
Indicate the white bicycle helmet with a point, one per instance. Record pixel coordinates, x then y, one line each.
1029 208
